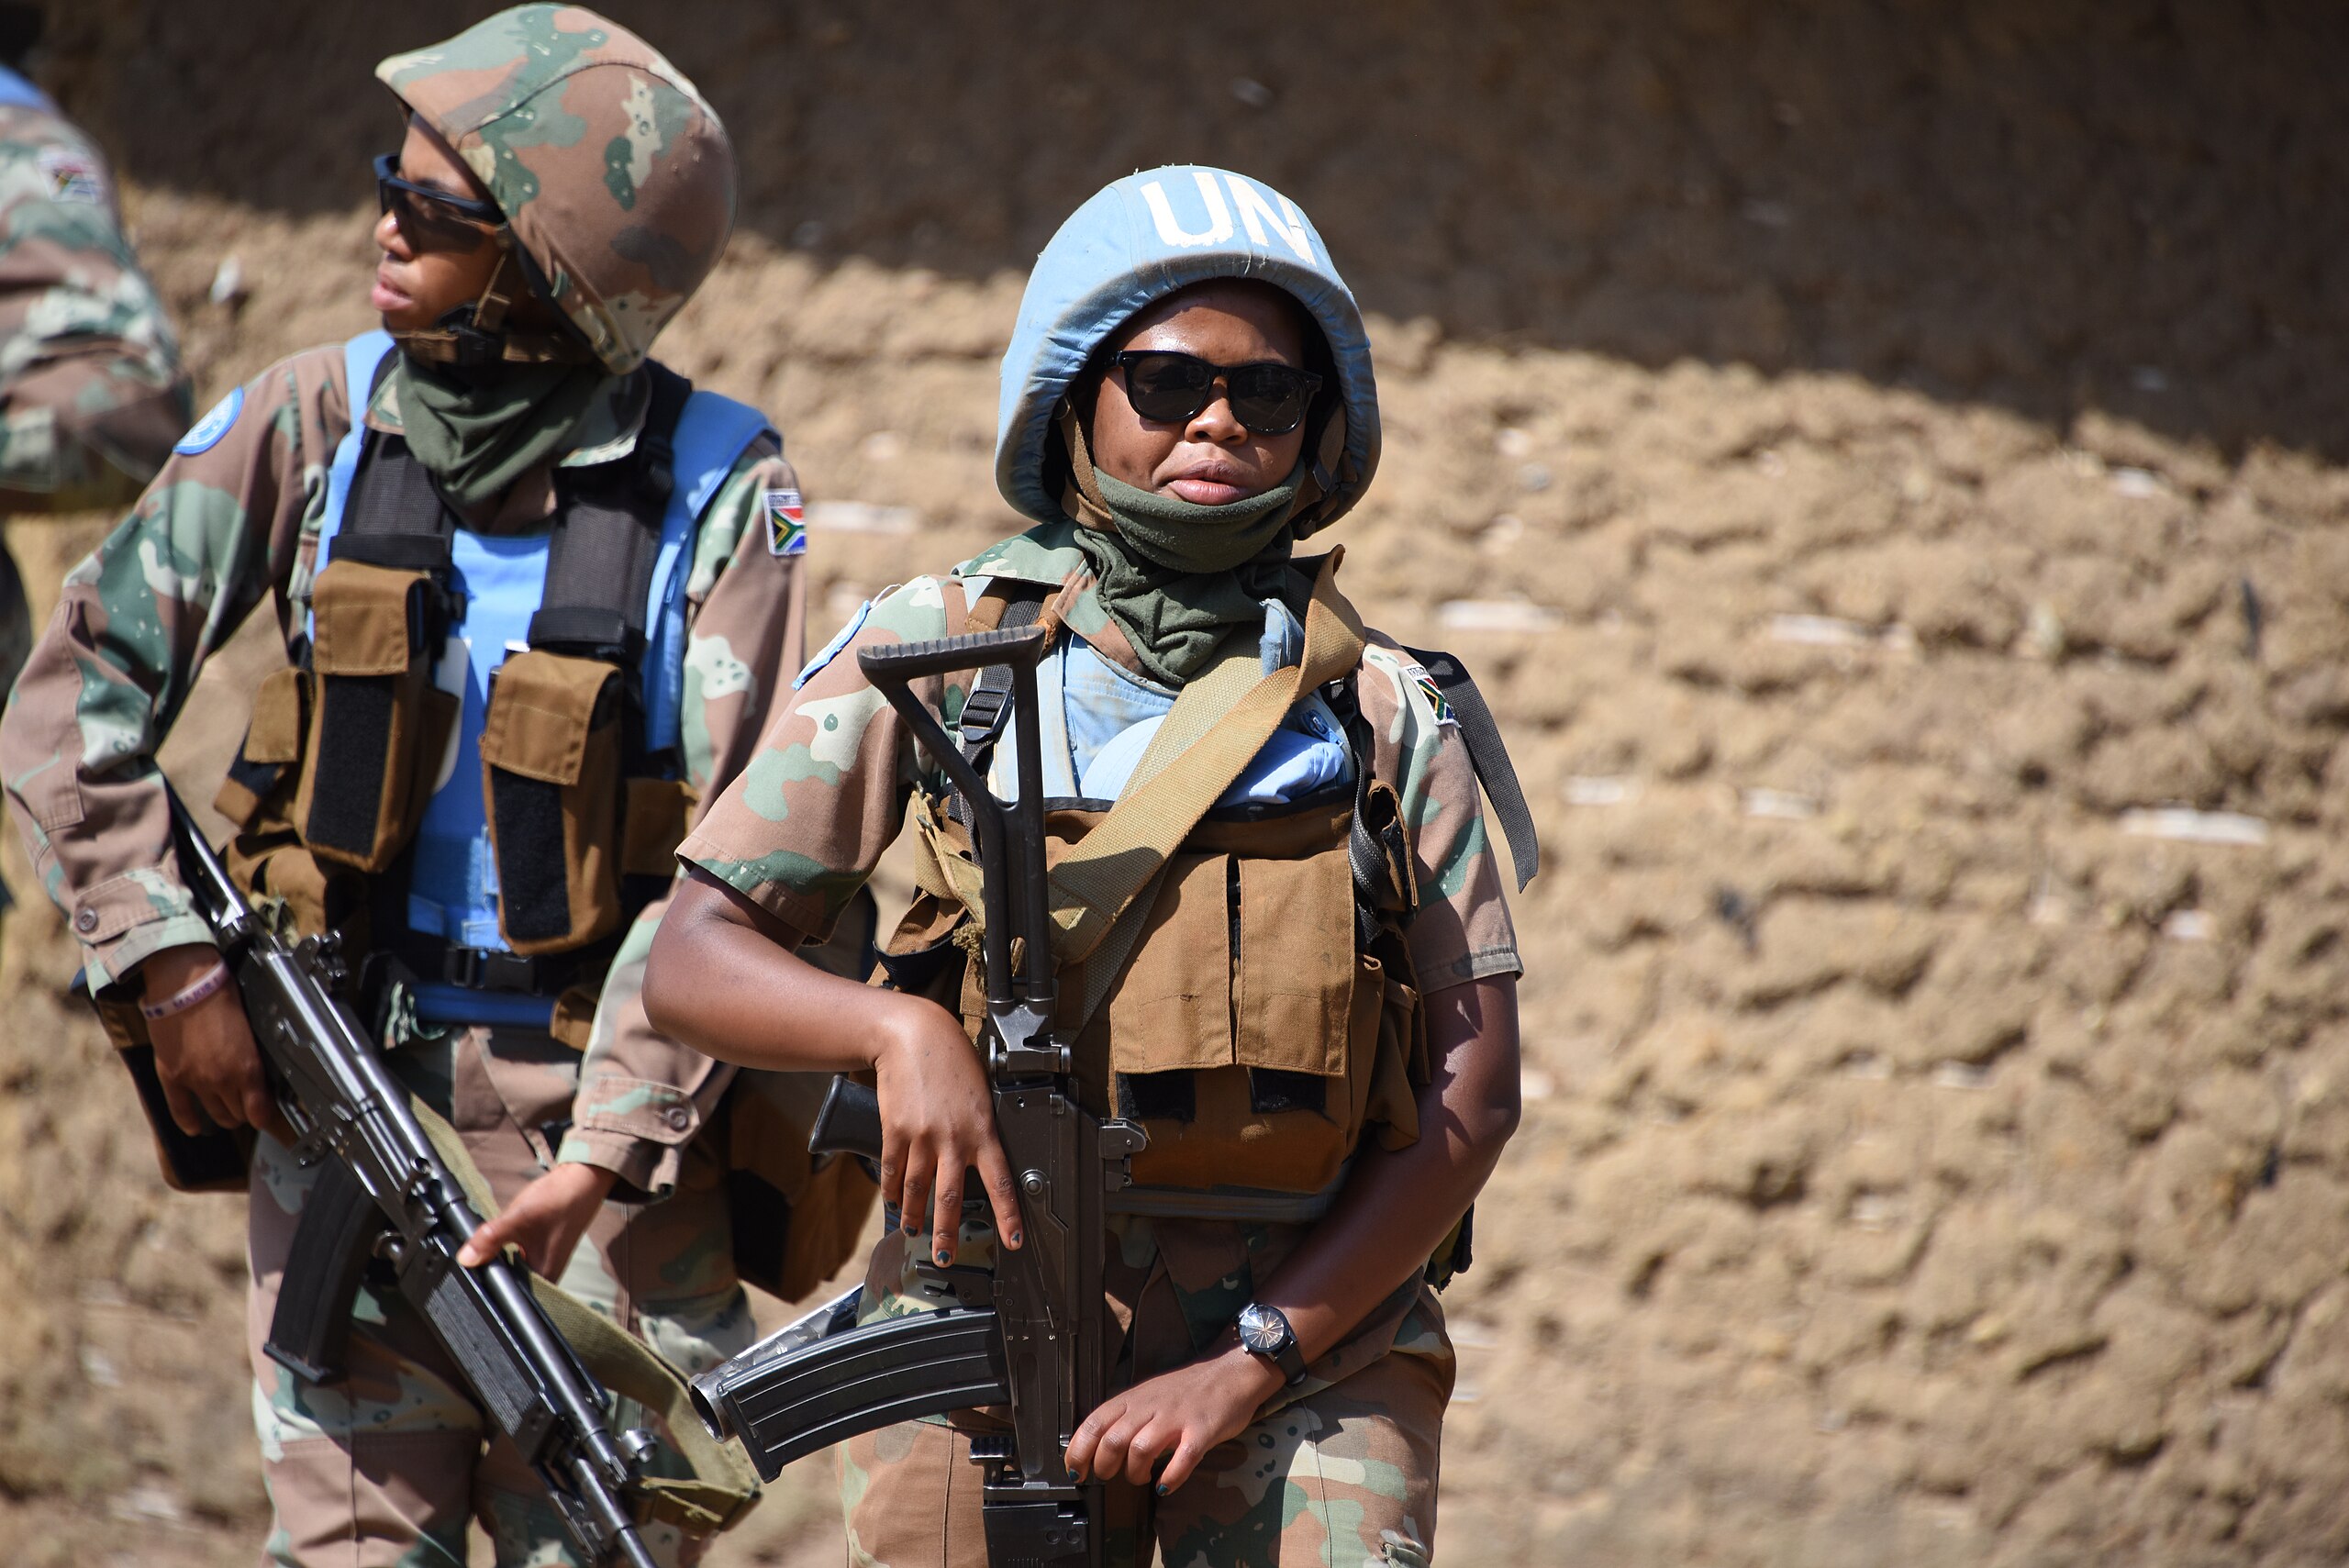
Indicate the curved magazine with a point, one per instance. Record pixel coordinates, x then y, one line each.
818 1391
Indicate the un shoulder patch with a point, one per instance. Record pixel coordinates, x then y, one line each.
786 527
207 431
830 650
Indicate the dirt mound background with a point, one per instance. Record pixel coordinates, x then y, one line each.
1885 465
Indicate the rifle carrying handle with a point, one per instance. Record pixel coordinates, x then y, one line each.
906 661
849 1122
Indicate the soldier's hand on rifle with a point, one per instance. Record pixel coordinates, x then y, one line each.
204 1053
546 1219
1180 1414
936 1125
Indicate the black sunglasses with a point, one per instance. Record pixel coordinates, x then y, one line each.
432 220
1165 387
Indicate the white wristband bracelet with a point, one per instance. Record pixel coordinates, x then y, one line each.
179 1001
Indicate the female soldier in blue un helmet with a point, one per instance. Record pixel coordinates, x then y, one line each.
1308 1004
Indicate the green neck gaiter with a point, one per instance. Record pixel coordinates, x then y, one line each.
477 432
1177 576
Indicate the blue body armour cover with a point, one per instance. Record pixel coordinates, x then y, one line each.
497 582
17 92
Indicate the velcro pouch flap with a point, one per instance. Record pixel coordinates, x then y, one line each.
1294 991
540 713
363 618
658 813
275 735
1171 1008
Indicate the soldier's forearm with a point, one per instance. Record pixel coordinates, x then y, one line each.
723 979
1398 1206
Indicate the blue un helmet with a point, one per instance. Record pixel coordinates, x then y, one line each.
1139 239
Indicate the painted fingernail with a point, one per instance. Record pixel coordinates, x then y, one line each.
1016 1237
1162 1488
944 1256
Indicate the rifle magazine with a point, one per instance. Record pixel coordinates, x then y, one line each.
785 1408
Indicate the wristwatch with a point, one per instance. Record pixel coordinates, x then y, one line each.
1264 1333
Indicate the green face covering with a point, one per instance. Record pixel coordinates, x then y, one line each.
476 433
1177 577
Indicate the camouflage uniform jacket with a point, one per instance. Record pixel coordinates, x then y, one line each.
220 526
92 395
823 797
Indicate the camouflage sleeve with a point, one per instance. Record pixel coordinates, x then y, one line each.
1462 931
825 791
221 526
91 394
643 1096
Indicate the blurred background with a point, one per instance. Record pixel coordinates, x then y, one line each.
1886 463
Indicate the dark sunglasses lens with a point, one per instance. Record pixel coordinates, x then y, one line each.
1167 388
1269 399
435 226
430 224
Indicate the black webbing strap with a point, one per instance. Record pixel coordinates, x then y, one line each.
608 538
1485 750
394 515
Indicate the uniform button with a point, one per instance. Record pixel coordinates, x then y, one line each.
87 921
678 1118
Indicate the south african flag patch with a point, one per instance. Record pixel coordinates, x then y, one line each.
786 528
1434 693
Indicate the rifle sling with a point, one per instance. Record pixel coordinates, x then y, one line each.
1485 750
1218 725
723 1485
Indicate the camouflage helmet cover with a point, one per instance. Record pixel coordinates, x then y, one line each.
616 176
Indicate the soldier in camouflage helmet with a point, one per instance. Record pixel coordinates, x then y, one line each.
92 395
614 175
549 508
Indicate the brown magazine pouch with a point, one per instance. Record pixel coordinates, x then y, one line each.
551 773
272 748
360 797
659 811
1250 1034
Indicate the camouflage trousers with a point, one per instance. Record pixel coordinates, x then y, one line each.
384 1469
1343 1474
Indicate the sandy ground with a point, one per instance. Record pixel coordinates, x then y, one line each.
1885 471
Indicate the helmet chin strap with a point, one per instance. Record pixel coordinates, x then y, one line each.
475 335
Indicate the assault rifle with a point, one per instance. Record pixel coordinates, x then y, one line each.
386 1193
1027 1334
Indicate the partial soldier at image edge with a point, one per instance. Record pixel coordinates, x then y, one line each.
92 392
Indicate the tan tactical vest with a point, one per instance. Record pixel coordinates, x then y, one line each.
1253 1007
337 762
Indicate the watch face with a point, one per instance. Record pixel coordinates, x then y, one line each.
1263 1331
